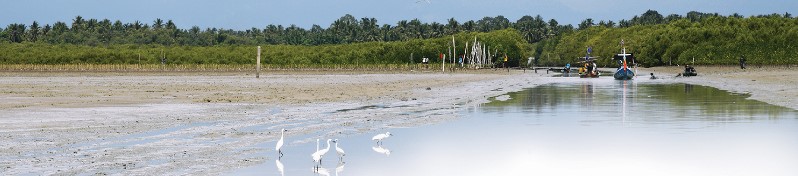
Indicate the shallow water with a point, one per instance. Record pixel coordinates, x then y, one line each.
583 128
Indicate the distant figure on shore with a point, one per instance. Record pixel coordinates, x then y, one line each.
567 68
652 76
742 62
689 71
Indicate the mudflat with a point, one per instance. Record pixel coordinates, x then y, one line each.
210 123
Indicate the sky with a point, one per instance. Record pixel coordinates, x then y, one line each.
245 14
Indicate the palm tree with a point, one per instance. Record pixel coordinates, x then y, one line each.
170 25
157 24
77 23
452 27
586 23
17 31
33 33
137 25
46 29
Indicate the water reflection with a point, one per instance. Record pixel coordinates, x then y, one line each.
322 171
340 168
280 167
584 128
381 150
706 103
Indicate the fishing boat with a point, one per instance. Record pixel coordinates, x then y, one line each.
623 72
588 70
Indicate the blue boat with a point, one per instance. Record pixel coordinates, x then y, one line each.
624 73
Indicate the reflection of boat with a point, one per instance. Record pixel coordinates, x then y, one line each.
623 72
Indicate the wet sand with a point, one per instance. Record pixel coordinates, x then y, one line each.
211 123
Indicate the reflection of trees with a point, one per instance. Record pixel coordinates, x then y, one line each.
679 102
547 96
687 99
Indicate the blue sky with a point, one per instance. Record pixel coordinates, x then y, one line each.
244 14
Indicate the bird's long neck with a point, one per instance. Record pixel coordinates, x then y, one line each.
317 144
328 145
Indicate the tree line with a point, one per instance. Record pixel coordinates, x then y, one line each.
508 41
698 38
655 39
347 29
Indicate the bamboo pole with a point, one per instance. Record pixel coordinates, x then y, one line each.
257 70
465 52
454 49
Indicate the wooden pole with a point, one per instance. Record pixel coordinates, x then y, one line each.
450 53
465 54
257 70
454 50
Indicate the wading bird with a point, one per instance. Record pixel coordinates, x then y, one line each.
318 154
280 143
339 150
380 137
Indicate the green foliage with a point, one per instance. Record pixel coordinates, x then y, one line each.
345 30
715 40
706 38
506 41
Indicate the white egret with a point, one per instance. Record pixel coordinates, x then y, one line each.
339 150
379 149
380 137
280 143
318 154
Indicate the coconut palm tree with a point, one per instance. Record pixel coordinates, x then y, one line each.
33 33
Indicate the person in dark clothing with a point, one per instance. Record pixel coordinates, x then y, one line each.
652 76
689 71
742 62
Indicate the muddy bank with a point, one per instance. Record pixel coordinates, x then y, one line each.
189 124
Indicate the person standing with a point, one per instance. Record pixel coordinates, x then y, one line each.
742 62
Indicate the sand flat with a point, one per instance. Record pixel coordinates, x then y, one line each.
144 123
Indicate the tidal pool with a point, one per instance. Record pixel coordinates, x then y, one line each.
582 128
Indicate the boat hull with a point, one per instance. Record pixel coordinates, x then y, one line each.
624 74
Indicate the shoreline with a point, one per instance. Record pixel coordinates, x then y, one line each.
136 124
